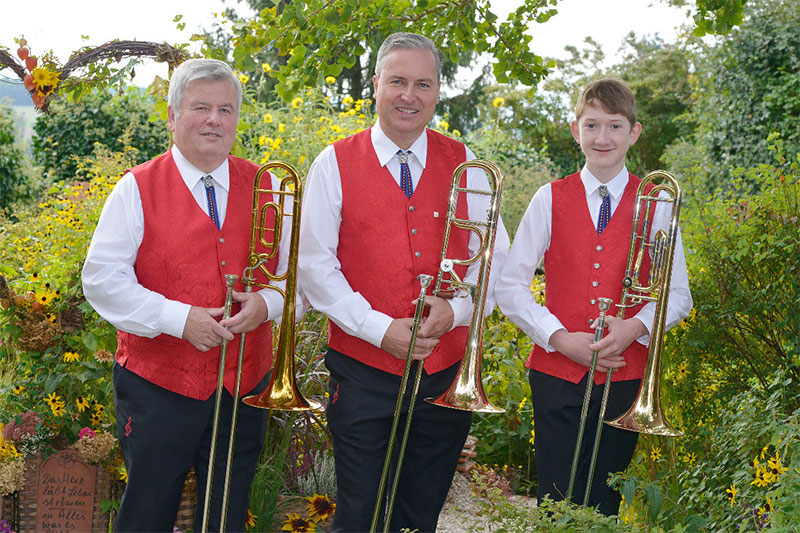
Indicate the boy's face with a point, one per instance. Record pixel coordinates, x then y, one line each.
604 138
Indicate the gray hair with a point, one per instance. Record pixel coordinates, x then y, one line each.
408 41
200 69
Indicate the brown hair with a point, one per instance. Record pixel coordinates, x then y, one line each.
612 95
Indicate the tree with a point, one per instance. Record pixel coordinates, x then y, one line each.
75 128
10 158
747 87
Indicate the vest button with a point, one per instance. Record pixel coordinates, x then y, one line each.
595 284
224 263
596 266
592 301
413 231
417 254
222 239
411 208
599 248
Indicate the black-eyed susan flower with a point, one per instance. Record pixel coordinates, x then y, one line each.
297 102
295 524
655 453
499 101
732 490
81 403
17 389
320 507
250 521
70 357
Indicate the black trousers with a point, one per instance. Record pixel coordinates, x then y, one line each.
360 410
556 416
163 435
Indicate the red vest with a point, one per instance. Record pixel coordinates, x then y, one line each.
582 266
184 257
386 240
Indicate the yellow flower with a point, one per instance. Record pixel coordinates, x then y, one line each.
655 454
250 521
297 102
532 440
122 473
266 68
46 80
775 468
281 127
499 101
443 125
52 398
17 389
456 133
267 119
347 101
689 458
522 403
732 493
82 404
683 370
295 524
70 357
330 79
243 78
320 507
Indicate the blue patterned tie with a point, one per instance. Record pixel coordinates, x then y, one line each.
605 210
211 197
405 174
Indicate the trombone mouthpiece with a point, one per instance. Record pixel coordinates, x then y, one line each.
425 280
605 304
230 280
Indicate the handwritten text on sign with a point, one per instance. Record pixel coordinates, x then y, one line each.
66 493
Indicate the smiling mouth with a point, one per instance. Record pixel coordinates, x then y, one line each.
407 111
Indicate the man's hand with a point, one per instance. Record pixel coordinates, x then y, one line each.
578 346
439 320
252 314
202 329
621 333
397 339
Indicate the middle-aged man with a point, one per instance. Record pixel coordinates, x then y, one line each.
371 225
169 232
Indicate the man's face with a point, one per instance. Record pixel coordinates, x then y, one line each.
604 138
406 94
204 128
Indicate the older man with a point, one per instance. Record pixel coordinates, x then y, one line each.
373 220
170 231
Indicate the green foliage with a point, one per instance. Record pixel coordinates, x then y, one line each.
318 38
748 86
745 272
10 159
739 477
74 128
44 321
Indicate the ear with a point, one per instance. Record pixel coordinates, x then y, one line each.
171 119
374 87
576 134
636 130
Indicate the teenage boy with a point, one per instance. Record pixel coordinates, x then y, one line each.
581 225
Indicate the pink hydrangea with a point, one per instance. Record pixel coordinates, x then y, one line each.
86 432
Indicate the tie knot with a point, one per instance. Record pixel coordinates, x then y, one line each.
403 156
208 181
603 191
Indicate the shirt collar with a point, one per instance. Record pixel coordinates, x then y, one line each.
386 149
615 187
191 174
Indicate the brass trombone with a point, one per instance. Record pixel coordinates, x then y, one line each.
282 392
645 416
466 392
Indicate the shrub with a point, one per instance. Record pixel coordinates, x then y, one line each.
10 159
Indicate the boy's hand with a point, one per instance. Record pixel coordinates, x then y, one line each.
577 345
621 333
397 339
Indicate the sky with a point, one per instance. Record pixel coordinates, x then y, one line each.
60 25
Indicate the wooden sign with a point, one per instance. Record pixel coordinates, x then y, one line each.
66 493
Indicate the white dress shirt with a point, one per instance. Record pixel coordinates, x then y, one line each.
323 283
533 239
109 281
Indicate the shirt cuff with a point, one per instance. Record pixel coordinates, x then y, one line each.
462 310
173 318
548 326
375 326
274 302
